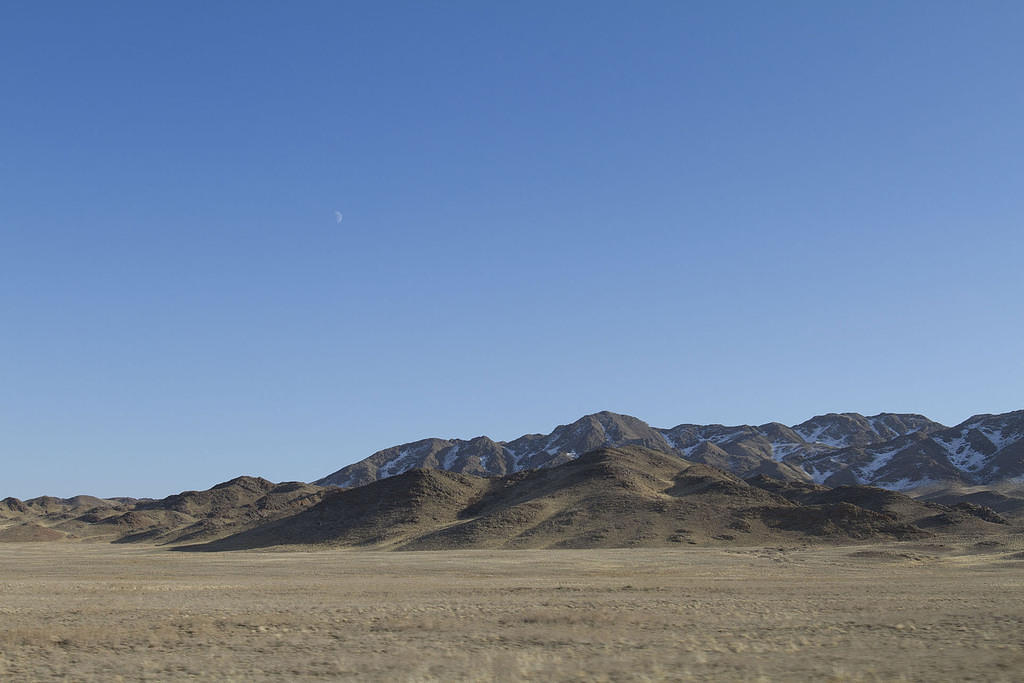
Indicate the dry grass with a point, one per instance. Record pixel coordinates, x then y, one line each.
900 612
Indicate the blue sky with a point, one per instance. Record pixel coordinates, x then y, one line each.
689 212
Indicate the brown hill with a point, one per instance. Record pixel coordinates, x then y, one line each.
29 532
191 516
964 515
12 507
1007 500
611 497
384 512
226 508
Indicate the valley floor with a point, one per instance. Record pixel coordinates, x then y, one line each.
92 611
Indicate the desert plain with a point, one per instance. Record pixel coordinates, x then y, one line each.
928 611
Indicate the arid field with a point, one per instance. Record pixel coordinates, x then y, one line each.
95 611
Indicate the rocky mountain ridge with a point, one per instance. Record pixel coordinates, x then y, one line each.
606 498
890 450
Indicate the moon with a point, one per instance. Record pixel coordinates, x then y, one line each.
338 216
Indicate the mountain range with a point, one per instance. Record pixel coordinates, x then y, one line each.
606 480
608 497
889 450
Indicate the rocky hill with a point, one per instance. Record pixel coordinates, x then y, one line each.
606 480
609 497
234 505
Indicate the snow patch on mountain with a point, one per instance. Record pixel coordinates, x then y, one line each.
874 421
451 457
817 473
816 435
999 438
880 460
782 449
395 466
959 451
688 451
907 483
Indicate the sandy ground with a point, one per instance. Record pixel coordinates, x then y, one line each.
899 612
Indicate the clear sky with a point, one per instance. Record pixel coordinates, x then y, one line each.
728 212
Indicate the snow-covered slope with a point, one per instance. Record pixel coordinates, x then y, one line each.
982 450
842 430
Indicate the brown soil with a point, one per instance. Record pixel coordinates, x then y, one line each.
29 532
